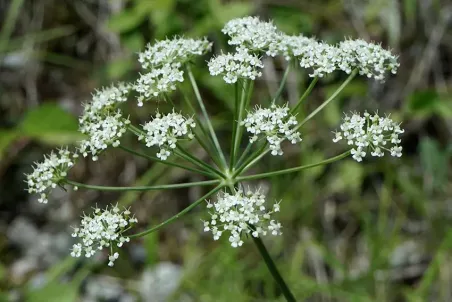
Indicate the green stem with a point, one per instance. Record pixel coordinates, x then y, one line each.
178 215
188 157
234 122
296 169
10 20
305 95
244 154
332 97
253 156
144 188
201 139
282 84
206 116
135 130
238 119
156 159
269 262
254 160
273 269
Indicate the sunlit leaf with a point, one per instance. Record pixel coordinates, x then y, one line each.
50 124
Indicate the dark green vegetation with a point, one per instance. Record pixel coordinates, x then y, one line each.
374 231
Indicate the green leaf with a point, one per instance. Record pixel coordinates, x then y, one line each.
409 9
54 292
434 162
134 42
6 138
151 245
127 20
117 69
50 124
422 102
231 11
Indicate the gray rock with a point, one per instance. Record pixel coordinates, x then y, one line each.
160 282
22 232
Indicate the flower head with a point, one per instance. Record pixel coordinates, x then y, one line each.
370 132
50 173
102 121
103 130
104 229
371 59
106 100
275 123
321 57
240 64
253 34
158 81
170 51
241 213
165 130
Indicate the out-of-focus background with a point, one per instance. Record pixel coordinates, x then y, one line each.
373 231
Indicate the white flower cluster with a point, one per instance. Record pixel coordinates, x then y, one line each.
49 173
253 34
102 121
241 64
371 59
104 229
164 59
370 132
169 51
165 130
103 131
261 37
241 213
157 81
321 57
275 123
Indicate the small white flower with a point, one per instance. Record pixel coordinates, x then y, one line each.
165 130
170 51
371 59
160 80
253 34
164 59
103 229
50 173
321 57
241 213
275 123
106 100
102 121
103 130
370 132
239 65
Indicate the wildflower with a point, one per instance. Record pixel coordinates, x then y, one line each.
50 173
241 213
104 229
253 34
170 51
102 121
158 81
321 57
371 59
106 99
103 131
275 123
165 130
370 132
241 64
